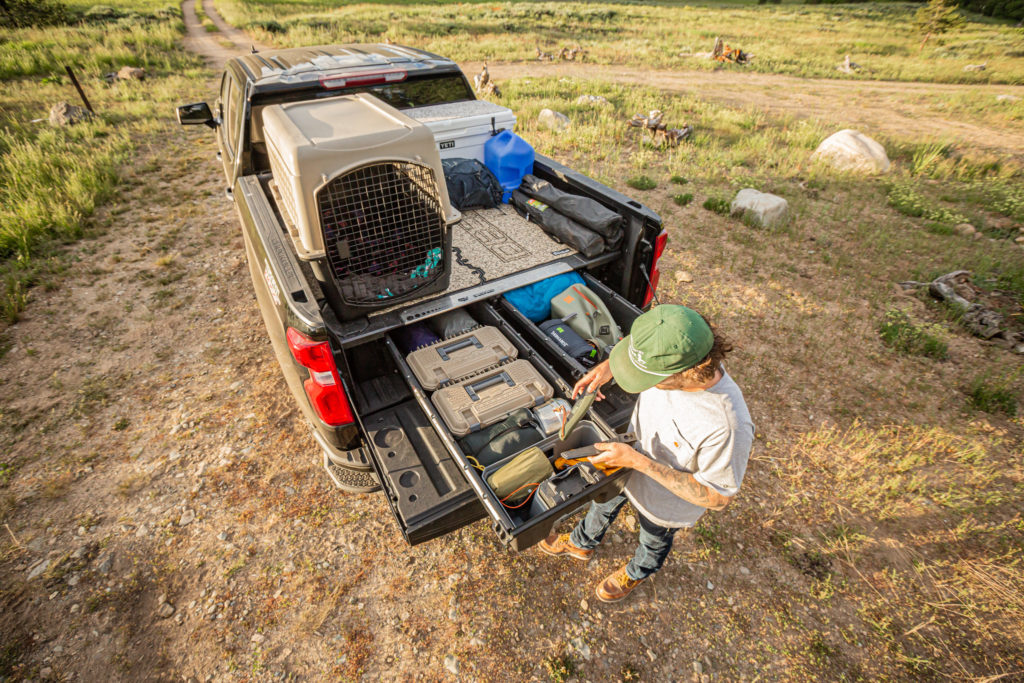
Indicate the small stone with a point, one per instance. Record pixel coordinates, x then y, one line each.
45 672
165 610
289 490
581 648
975 67
38 569
105 564
631 522
593 101
851 150
74 579
162 599
475 642
81 531
711 586
222 536
584 605
553 120
965 229
187 518
131 73
74 608
174 455
142 531
651 655
451 662
1020 240
683 276
1007 98
744 571
258 638
698 668
705 678
64 114
79 552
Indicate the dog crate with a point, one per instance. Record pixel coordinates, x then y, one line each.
361 188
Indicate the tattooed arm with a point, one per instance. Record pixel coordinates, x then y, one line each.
682 484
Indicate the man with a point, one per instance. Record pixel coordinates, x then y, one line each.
694 436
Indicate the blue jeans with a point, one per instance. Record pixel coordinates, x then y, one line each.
655 540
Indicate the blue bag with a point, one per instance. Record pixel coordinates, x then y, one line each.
534 301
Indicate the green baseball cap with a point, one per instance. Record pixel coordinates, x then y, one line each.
663 341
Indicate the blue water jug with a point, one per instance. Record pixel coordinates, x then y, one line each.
509 157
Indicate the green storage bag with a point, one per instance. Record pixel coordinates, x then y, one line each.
511 482
513 434
587 314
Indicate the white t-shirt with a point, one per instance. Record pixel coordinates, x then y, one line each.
706 433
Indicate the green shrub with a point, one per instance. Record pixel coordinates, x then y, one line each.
678 180
913 339
719 205
24 13
682 199
905 199
641 182
991 397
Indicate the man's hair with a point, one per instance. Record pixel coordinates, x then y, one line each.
704 371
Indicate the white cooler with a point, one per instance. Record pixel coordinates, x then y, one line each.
461 128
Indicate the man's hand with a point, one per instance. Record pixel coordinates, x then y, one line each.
598 376
617 454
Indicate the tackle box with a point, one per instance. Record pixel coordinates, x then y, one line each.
488 397
459 357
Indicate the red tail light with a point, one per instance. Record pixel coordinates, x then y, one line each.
324 385
659 249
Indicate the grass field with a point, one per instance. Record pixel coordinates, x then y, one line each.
51 179
797 39
880 515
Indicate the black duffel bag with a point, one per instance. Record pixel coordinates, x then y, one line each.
562 228
516 432
471 185
587 212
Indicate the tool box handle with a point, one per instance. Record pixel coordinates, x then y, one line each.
445 349
473 388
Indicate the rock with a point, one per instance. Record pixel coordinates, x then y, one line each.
851 150
258 638
74 579
711 586
553 120
581 648
965 229
584 605
104 565
744 571
475 642
45 672
186 518
975 67
1007 98
64 114
631 522
451 662
131 73
38 569
593 101
165 610
698 668
1019 240
683 276
222 536
142 531
760 208
161 599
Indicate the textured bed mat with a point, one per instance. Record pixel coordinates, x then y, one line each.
491 243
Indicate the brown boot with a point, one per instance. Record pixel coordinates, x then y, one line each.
616 587
561 545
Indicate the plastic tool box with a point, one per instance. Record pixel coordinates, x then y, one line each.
461 128
488 397
460 356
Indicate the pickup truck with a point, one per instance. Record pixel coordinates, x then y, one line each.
373 421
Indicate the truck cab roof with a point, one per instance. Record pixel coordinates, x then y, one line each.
285 69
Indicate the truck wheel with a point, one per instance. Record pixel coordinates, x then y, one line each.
350 480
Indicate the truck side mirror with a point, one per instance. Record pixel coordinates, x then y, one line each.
195 114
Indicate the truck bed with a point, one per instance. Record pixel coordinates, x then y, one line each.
488 244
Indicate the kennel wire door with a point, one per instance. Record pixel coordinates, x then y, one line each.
384 231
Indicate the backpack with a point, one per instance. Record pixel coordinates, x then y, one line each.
587 314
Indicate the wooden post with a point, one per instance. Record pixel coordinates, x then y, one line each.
81 93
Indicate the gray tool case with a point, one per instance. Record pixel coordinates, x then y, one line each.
491 395
459 357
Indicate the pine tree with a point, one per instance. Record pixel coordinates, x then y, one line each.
936 18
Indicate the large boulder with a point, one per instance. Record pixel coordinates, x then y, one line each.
64 114
131 73
553 120
851 150
760 208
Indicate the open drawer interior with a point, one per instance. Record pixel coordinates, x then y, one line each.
432 484
617 407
